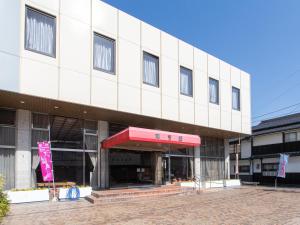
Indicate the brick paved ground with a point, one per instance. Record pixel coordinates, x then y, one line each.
231 206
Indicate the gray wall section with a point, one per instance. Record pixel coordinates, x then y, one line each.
197 162
23 150
10 45
103 161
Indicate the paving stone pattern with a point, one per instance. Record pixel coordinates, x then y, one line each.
246 205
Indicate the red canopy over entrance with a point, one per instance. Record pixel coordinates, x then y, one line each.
147 139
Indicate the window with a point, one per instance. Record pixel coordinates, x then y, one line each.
151 69
40 32
213 91
270 167
186 81
236 98
244 169
290 137
104 53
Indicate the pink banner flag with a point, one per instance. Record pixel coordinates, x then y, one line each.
45 160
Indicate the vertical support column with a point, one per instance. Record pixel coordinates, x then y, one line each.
103 163
227 159
197 164
157 161
23 149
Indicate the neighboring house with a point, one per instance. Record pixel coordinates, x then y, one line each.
259 153
77 72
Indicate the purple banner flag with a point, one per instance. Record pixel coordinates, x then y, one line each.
284 158
45 160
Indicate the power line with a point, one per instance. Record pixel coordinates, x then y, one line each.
278 110
288 89
280 115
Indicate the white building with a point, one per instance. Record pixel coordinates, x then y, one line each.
76 72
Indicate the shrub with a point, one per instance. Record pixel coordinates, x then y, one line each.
4 205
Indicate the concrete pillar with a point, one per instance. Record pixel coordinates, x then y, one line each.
157 167
23 149
103 163
227 159
197 163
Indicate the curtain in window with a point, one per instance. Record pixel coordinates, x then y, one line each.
7 167
40 32
150 70
235 99
103 53
186 86
35 160
93 174
213 91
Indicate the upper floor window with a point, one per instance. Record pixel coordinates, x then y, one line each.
150 67
186 81
104 53
290 137
40 32
213 91
236 98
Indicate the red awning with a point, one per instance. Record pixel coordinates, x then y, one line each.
147 139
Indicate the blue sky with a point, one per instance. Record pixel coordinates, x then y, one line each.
261 37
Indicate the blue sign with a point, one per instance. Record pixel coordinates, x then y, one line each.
73 193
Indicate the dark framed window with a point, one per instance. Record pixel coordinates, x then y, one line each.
150 69
244 169
290 137
213 91
40 32
270 167
104 53
236 99
186 81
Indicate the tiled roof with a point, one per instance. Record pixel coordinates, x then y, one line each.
276 124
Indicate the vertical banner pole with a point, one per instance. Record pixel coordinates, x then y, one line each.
54 194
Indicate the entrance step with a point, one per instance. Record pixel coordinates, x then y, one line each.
133 193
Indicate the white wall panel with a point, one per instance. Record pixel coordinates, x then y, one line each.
225 120
150 39
201 115
39 79
129 28
213 67
201 87
293 165
186 55
52 5
103 83
169 46
267 139
200 60
186 109
9 72
10 26
151 101
214 116
169 77
75 51
235 77
170 108
105 17
74 87
129 99
129 63
236 121
78 9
